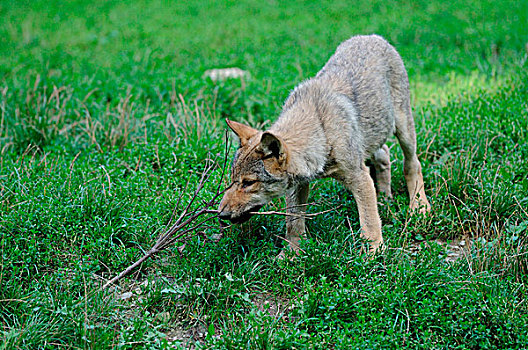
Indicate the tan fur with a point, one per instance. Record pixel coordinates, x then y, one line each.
329 127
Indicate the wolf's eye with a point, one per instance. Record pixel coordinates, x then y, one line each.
247 183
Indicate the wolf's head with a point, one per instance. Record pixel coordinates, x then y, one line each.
258 173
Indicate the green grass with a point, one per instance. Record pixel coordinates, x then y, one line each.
105 116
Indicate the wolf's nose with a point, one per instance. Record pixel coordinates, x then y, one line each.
224 215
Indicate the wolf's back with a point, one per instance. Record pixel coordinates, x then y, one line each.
364 66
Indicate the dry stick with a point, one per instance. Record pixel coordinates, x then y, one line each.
308 216
178 230
170 236
166 240
299 215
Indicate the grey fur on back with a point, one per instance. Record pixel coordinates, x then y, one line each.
350 104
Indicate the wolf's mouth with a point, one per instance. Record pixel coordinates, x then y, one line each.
245 216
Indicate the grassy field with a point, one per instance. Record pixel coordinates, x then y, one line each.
106 116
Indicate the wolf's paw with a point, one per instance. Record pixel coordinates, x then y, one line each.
375 248
282 256
420 206
288 254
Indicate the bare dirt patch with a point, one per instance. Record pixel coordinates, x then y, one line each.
453 249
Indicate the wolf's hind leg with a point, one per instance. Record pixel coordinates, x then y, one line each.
412 169
382 166
362 187
296 207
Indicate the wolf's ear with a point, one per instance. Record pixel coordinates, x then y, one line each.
271 145
243 132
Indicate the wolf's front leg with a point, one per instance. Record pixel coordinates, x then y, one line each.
296 207
359 182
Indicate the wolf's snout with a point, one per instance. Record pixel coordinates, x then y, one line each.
224 212
238 217
224 215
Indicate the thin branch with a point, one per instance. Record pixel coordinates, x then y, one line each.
298 215
178 202
187 222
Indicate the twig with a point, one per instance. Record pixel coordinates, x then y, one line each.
186 222
19 300
298 215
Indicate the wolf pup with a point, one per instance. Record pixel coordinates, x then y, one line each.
330 126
